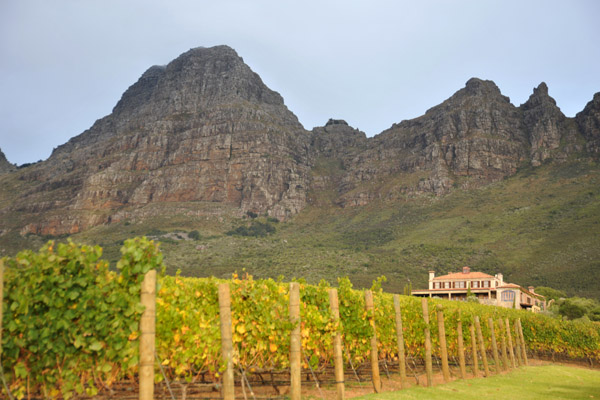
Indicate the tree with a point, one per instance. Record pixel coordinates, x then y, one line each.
571 310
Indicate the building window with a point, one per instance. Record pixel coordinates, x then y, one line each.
508 296
460 285
475 284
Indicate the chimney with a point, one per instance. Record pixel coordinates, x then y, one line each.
500 279
466 270
431 276
530 288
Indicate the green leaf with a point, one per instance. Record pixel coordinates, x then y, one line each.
21 370
95 346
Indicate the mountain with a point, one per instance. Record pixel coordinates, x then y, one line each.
202 144
204 128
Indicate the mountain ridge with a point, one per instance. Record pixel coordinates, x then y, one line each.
209 99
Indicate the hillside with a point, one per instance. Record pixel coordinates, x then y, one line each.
202 144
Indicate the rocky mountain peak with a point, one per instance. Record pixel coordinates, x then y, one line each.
336 122
592 105
542 89
5 166
477 84
543 121
197 79
588 121
479 87
540 97
477 95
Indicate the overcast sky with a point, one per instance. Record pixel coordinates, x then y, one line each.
64 64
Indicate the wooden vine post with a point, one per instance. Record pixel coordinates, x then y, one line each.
374 356
226 340
518 346
474 348
337 345
443 347
494 346
428 365
486 368
523 346
296 343
147 336
511 350
400 339
504 350
461 347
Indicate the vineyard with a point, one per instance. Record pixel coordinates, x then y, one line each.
71 327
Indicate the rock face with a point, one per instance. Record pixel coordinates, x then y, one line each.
5 166
203 128
475 137
206 129
589 123
476 134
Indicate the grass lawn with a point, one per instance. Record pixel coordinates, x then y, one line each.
543 382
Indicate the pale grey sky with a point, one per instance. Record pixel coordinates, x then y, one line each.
65 63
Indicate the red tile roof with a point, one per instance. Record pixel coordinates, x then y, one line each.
509 285
460 276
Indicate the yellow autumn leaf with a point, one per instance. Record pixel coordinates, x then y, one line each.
273 347
241 329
